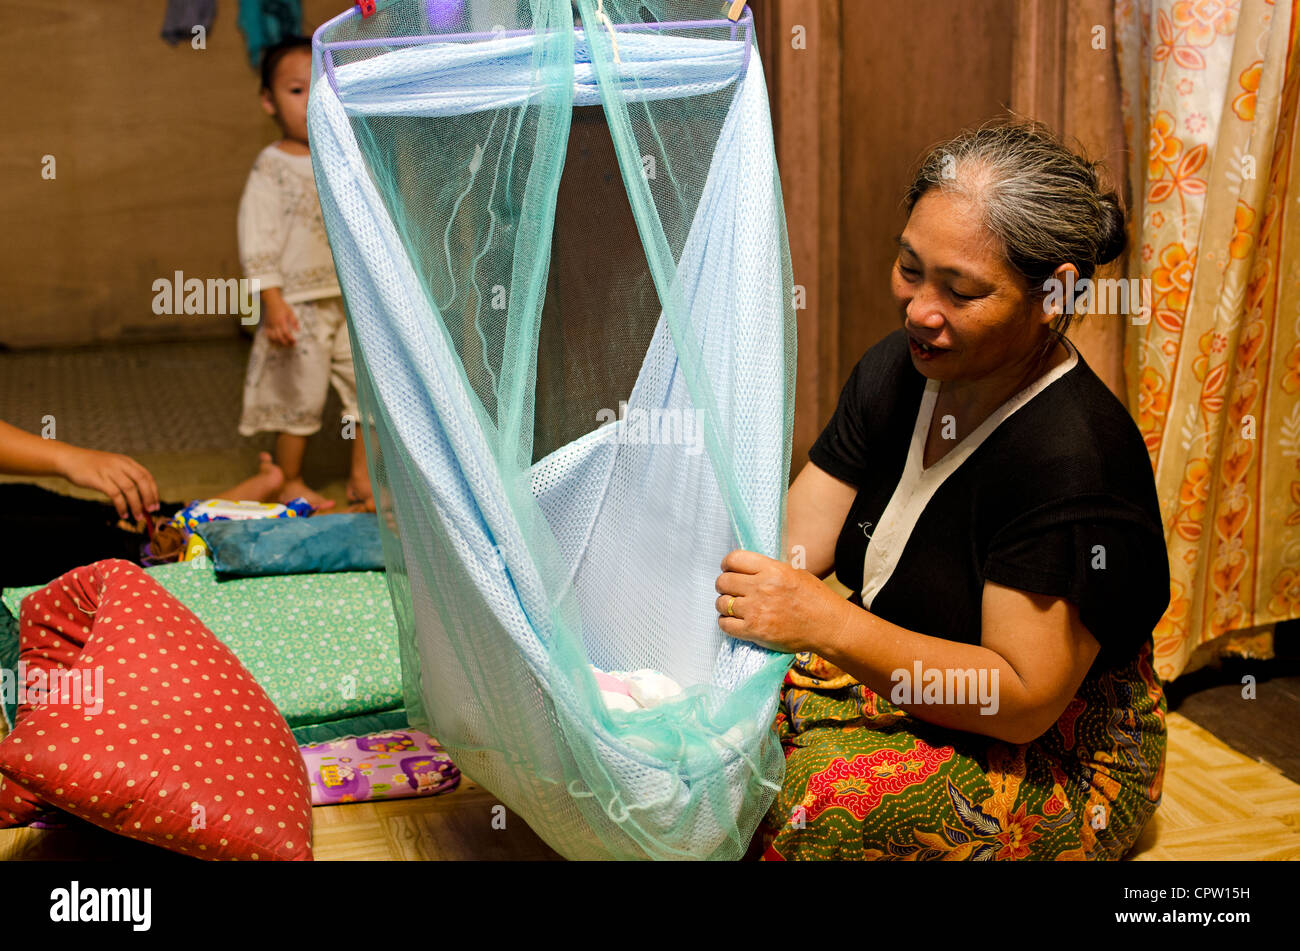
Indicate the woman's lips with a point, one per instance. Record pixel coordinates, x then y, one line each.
924 351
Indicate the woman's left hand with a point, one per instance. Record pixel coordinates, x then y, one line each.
776 606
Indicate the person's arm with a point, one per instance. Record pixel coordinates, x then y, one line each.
261 231
816 507
128 485
22 453
1035 646
1033 655
279 322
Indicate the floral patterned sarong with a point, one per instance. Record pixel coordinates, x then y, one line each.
868 780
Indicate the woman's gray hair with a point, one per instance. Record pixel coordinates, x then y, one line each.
1042 201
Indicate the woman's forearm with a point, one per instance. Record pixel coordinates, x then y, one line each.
959 686
22 453
815 510
1034 653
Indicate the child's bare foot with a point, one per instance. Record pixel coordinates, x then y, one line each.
299 489
360 494
263 487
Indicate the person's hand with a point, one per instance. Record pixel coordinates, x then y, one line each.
128 485
281 323
776 606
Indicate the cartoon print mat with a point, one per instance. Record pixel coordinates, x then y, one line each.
394 765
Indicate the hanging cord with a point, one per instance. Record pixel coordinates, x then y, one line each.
754 769
601 17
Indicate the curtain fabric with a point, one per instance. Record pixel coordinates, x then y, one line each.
1209 93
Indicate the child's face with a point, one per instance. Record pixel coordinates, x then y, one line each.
286 100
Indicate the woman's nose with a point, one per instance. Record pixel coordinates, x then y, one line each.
924 311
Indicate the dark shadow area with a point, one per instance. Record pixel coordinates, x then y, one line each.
1263 727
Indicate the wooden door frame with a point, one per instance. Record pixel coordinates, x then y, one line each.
804 77
1061 79
1056 77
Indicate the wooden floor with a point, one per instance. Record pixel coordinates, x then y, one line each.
458 825
464 824
1218 804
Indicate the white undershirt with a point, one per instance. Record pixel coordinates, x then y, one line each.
917 485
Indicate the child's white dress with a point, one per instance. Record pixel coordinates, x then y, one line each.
282 243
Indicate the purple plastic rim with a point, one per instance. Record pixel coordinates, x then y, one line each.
431 11
325 49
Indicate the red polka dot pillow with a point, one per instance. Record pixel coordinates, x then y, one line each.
50 639
155 731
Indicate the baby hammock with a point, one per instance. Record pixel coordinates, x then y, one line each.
527 537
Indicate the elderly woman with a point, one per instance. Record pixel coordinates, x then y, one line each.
987 691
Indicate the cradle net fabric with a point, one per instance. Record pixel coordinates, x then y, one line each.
565 265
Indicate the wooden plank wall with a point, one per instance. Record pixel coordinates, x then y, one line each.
1090 117
875 83
152 144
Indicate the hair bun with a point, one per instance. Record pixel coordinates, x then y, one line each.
1112 231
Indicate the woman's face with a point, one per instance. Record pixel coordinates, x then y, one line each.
967 313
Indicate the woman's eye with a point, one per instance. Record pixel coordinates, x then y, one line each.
907 271
966 297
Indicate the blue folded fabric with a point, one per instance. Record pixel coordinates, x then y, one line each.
291 546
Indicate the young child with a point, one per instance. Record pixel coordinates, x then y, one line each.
301 345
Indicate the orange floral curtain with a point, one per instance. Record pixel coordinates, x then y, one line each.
1210 91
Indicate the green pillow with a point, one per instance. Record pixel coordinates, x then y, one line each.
323 646
9 661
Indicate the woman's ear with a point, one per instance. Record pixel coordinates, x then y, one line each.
1059 293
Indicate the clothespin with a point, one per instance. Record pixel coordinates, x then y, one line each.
367 8
737 8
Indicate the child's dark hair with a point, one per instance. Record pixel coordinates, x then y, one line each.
272 55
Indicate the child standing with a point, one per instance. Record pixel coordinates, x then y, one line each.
302 344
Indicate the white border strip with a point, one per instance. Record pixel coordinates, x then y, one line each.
917 486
